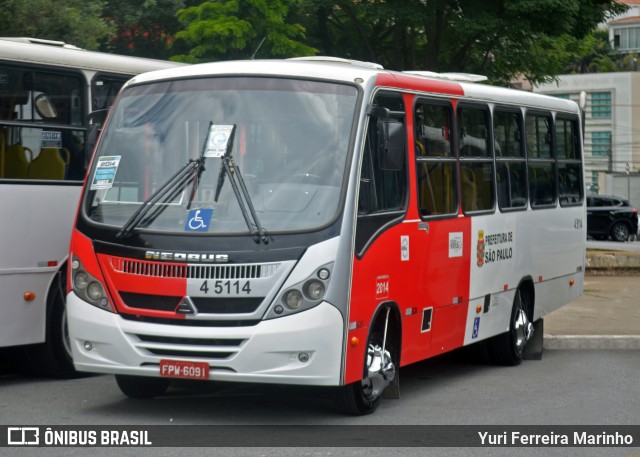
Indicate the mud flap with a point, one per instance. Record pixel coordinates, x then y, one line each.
533 348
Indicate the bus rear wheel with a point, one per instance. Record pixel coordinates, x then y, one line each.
141 386
363 397
53 357
508 348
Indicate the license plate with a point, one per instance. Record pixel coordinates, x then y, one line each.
184 369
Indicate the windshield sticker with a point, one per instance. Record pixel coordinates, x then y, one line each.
198 220
220 138
51 139
105 172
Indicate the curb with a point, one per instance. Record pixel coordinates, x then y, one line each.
592 342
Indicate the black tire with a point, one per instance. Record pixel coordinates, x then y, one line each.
508 348
141 386
53 357
620 232
361 398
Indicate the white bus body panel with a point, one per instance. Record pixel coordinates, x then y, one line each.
269 352
541 245
38 233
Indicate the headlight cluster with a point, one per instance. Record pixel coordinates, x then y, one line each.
88 287
304 295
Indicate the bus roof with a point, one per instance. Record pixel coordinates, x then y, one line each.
57 53
345 70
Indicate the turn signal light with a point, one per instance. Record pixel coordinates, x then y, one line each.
29 296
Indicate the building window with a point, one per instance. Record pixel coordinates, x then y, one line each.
601 105
595 185
564 96
627 38
600 144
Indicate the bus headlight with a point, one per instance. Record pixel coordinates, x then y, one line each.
80 280
314 289
303 294
89 288
293 299
95 291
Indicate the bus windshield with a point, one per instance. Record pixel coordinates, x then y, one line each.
290 143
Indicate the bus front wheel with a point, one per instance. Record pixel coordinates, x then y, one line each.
363 397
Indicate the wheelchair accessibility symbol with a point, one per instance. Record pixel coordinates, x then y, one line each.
198 220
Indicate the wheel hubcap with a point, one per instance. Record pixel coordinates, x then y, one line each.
380 372
621 232
523 329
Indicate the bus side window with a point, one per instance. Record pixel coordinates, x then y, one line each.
541 163
52 147
476 159
511 173
570 191
436 161
383 192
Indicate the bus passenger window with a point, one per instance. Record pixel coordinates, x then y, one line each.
476 159
511 172
570 187
436 161
51 148
542 164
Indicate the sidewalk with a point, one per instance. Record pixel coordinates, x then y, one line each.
607 316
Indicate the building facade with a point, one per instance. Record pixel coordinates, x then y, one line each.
612 124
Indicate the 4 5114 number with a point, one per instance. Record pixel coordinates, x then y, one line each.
226 287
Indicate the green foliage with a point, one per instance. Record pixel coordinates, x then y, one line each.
144 27
499 38
77 22
233 29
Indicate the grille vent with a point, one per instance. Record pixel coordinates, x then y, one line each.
166 270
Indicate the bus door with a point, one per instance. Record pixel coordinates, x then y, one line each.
444 237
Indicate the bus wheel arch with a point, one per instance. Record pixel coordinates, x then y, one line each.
508 347
53 357
381 364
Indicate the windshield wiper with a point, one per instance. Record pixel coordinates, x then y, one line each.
228 167
191 171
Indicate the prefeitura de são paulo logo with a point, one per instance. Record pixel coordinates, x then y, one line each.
480 249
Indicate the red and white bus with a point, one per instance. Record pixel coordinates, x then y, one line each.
320 222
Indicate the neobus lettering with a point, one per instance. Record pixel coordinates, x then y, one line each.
184 257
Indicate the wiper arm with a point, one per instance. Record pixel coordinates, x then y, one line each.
228 167
170 188
191 171
258 232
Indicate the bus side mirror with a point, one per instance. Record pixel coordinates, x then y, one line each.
96 119
45 107
391 144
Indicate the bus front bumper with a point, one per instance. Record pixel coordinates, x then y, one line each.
303 348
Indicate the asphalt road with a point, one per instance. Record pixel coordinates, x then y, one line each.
564 388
